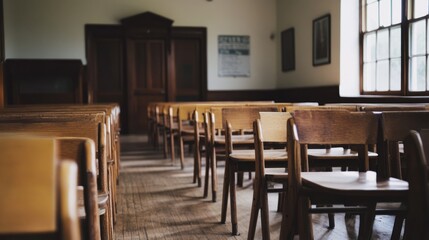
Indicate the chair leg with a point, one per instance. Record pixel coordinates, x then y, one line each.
265 222
331 218
182 154
280 202
165 141
207 175
225 192
156 137
233 200
198 150
172 147
304 218
289 225
397 227
254 211
240 179
367 222
213 166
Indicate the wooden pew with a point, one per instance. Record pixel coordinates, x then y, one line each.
66 124
111 121
38 192
91 204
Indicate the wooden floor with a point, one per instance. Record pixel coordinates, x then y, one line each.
159 201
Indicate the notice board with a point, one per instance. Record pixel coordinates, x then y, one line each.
234 56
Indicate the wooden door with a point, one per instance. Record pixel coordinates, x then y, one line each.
145 60
189 64
105 68
147 78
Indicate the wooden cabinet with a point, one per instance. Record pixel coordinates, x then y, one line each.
144 60
40 81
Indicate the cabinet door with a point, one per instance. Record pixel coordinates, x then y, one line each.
147 77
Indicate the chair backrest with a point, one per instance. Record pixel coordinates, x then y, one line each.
82 151
395 126
243 117
273 126
36 203
330 127
185 114
63 125
390 107
416 147
297 107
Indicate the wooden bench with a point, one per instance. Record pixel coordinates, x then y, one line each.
38 193
66 124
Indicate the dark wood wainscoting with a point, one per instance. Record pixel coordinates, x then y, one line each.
322 95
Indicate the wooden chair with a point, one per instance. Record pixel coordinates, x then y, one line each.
395 127
185 128
360 190
91 203
269 129
237 120
38 193
416 147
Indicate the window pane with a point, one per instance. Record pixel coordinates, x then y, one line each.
372 16
418 38
369 77
383 44
383 75
370 1
385 18
396 11
417 74
395 74
420 8
395 42
369 47
427 74
427 37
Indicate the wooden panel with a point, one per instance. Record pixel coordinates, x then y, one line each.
106 67
109 66
146 73
189 63
27 207
322 95
149 65
33 81
187 67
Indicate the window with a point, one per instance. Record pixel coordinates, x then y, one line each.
394 47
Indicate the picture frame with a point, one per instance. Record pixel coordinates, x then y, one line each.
322 40
288 49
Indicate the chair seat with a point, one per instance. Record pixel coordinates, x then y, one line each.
276 175
102 198
355 183
249 155
189 129
236 139
335 152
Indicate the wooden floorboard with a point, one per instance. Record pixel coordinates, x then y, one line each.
157 200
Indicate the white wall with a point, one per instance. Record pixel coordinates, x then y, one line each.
55 29
300 15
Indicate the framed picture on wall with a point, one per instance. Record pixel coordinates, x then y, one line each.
322 40
288 49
